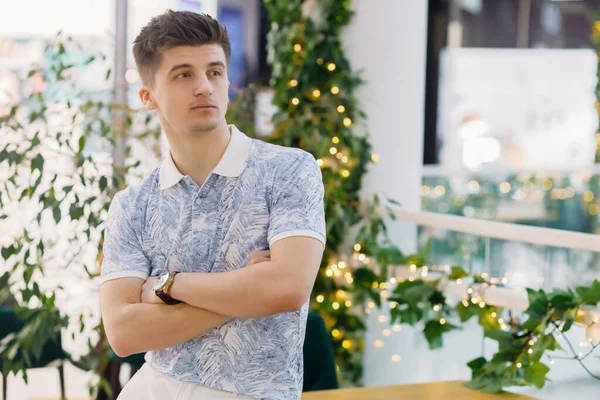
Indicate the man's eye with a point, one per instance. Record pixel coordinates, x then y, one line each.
183 75
217 73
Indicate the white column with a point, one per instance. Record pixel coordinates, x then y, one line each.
387 40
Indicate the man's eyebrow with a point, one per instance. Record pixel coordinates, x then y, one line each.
179 66
216 64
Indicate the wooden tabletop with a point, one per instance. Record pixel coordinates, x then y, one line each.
452 390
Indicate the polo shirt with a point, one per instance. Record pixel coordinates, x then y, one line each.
257 194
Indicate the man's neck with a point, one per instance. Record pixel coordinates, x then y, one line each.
198 155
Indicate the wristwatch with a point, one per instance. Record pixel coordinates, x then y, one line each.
161 287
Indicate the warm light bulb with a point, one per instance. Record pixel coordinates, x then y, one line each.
331 66
335 139
345 173
297 48
295 101
341 109
333 150
347 122
442 321
335 90
320 298
335 305
335 333
320 162
375 158
357 247
293 83
316 93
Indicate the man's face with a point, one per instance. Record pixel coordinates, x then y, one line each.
190 90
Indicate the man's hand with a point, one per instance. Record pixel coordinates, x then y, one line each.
148 294
258 257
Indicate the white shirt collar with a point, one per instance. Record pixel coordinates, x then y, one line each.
231 165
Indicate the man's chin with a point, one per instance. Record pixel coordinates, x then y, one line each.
204 127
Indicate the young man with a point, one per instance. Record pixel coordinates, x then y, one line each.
210 261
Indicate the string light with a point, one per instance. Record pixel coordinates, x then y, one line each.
341 109
316 93
396 358
331 67
482 304
442 321
320 298
425 190
387 332
347 344
335 305
335 333
439 191
393 304
588 196
344 159
375 158
293 83
329 273
371 304
320 162
505 187
392 281
436 308
295 101
347 122
297 48
494 314
379 343
357 247
348 303
382 319
345 173
335 90
320 61
397 328
335 139
333 150
519 365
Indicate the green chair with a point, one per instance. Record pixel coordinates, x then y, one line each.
319 362
51 352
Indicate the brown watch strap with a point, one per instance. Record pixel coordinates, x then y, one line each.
167 299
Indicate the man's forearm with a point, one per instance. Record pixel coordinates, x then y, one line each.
140 327
254 291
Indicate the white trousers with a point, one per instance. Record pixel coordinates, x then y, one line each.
148 384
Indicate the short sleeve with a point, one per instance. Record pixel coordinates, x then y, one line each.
123 253
297 207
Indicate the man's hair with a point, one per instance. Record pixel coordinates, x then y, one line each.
172 29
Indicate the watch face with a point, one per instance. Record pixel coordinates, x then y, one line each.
160 281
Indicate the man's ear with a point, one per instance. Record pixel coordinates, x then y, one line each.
146 98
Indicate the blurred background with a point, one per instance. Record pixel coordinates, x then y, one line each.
481 109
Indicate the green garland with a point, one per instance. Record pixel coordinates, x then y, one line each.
313 88
522 343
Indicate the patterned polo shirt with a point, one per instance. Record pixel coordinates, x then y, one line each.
258 193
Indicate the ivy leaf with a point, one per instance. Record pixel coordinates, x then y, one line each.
433 333
457 273
477 363
465 312
538 303
590 295
536 374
